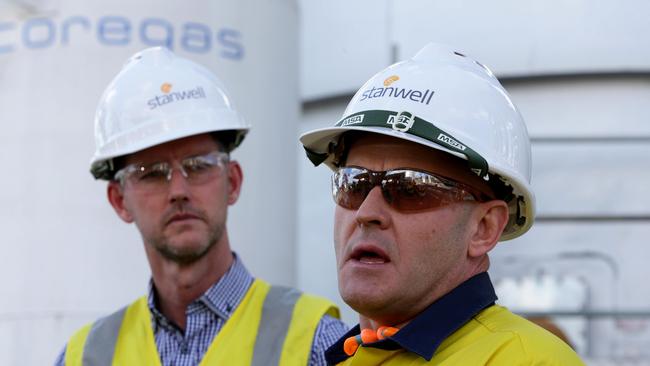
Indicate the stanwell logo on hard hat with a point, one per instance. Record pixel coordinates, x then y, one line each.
392 91
170 97
451 142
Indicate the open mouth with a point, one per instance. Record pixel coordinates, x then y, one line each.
369 255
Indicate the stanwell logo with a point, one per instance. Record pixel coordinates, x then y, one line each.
395 92
352 120
451 142
170 97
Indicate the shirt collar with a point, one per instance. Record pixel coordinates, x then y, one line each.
424 333
222 298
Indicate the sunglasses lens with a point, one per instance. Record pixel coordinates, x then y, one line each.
408 190
350 186
403 189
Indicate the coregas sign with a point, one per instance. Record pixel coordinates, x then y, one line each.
121 30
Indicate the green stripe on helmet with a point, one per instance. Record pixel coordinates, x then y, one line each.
406 122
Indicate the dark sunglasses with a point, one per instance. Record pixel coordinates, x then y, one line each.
404 189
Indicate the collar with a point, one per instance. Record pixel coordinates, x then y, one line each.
424 333
222 298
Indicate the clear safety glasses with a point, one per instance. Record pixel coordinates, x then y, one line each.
197 169
404 189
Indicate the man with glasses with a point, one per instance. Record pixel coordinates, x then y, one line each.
164 129
431 168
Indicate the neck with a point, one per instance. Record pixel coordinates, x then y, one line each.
402 318
368 323
178 285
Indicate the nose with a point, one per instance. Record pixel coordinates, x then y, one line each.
178 186
374 210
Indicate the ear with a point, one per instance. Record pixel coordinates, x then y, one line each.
491 218
235 180
115 194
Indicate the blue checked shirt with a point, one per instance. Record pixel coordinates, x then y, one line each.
207 315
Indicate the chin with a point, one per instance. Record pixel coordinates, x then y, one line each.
373 310
186 249
187 239
184 257
361 298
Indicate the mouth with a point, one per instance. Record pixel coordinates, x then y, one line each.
370 255
181 217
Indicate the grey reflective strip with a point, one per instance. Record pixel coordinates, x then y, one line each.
276 317
101 341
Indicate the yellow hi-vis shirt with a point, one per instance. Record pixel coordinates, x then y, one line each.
462 328
494 337
271 326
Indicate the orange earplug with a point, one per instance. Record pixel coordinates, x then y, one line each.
351 345
368 336
385 332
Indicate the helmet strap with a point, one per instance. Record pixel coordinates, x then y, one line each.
407 123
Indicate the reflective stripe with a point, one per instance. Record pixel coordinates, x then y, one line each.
276 317
100 344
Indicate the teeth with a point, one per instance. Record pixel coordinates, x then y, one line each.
371 260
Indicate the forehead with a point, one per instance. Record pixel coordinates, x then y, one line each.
381 152
180 148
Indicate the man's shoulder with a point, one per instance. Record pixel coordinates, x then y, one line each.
518 338
292 296
498 319
112 319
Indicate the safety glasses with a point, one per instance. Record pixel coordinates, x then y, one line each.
197 169
404 189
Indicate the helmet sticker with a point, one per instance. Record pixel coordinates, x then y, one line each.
167 97
451 142
352 120
402 121
166 88
388 90
391 79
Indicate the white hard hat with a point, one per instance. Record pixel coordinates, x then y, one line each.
159 97
445 100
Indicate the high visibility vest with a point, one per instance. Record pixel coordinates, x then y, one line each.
271 326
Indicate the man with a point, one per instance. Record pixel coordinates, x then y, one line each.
431 169
164 129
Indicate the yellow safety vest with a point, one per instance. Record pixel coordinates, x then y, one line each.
271 326
494 337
